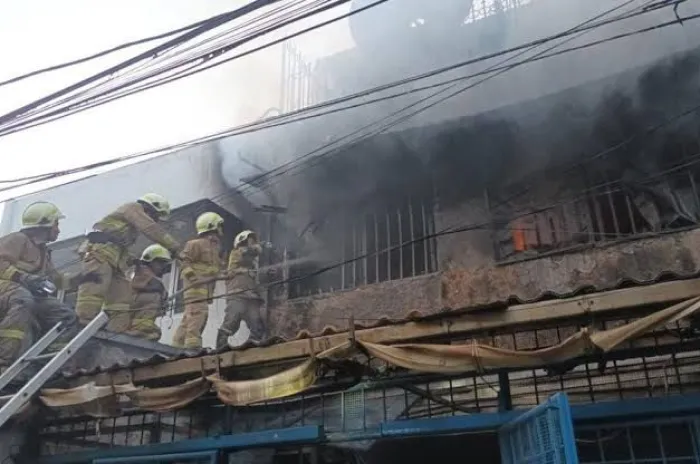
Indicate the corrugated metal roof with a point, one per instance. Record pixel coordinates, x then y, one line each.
161 357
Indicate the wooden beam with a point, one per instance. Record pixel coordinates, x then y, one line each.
667 292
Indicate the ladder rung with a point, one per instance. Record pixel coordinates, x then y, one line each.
41 357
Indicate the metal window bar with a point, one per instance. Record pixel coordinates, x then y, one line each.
608 214
393 244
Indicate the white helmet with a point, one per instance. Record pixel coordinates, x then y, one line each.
242 237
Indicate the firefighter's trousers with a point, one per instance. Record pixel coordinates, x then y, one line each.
26 317
239 309
189 332
113 294
143 324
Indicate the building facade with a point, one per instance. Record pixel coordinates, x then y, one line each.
441 280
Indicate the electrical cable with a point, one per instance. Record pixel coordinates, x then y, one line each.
183 73
104 87
102 53
425 75
206 26
270 122
11 125
289 165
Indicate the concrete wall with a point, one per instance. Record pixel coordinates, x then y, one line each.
470 278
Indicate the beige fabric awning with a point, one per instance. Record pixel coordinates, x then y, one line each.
448 359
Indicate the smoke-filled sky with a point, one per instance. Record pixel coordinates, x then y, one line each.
43 33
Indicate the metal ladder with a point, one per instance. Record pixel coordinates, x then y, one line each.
33 355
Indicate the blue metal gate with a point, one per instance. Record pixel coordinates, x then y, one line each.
543 435
201 457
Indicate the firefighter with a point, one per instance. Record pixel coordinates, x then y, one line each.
244 298
201 265
148 292
106 253
28 281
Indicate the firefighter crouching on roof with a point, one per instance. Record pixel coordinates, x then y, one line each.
148 292
243 296
106 253
28 278
200 263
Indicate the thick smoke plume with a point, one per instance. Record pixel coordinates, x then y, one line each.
502 134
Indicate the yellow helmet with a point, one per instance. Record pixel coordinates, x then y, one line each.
208 222
41 214
157 202
156 251
242 237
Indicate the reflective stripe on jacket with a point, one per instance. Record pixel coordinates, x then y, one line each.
200 261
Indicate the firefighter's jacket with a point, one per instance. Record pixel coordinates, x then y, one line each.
149 293
120 229
242 271
199 261
20 256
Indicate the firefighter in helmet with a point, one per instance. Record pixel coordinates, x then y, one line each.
201 264
106 253
28 281
243 296
148 292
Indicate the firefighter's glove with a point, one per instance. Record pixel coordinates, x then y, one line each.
91 277
39 286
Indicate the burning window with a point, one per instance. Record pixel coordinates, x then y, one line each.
637 203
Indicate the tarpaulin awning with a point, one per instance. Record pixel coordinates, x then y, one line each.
448 359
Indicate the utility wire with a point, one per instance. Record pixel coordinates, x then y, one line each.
442 95
94 56
206 26
651 6
288 118
188 72
241 30
8 127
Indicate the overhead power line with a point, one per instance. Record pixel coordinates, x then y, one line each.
101 54
301 114
192 55
204 27
125 158
73 105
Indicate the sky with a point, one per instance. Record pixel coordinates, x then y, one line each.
44 33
